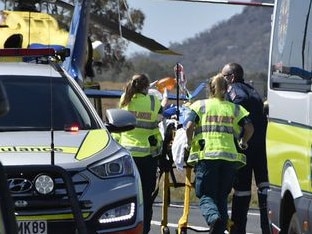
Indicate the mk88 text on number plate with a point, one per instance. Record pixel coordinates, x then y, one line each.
32 227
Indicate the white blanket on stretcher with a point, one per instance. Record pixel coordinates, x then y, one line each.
177 148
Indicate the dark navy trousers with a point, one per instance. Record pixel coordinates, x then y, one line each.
213 183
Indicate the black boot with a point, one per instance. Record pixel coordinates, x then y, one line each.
216 227
262 200
240 207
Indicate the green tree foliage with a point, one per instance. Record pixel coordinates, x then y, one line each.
116 11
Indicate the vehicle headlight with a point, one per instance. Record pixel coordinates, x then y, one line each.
108 168
121 213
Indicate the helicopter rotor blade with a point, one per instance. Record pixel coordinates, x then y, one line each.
135 37
128 34
256 4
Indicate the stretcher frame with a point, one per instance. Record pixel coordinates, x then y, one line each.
167 184
168 139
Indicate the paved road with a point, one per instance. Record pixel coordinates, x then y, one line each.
195 220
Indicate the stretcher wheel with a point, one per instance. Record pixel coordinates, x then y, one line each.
181 231
165 230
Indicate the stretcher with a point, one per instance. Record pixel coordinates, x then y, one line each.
169 181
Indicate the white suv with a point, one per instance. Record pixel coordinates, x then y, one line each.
51 125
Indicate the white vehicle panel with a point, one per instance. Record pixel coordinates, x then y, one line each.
29 69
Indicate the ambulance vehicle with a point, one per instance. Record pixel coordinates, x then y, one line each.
289 133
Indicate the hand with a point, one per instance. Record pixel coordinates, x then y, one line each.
243 145
153 84
187 149
164 164
165 94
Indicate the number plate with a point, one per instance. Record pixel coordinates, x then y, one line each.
32 227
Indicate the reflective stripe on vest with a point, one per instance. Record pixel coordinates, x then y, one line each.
148 124
203 108
154 151
152 102
236 110
226 155
214 128
218 127
193 158
137 140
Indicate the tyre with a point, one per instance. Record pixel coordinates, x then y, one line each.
294 225
165 230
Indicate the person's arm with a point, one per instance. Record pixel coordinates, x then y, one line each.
190 120
247 134
164 100
189 133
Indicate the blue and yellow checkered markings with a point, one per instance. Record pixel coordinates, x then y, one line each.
94 142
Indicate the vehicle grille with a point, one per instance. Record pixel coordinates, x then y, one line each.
25 197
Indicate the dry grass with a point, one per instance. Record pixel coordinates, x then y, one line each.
109 85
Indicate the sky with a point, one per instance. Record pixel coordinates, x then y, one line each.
172 21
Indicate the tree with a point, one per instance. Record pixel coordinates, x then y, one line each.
115 46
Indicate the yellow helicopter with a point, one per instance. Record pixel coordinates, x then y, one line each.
21 28
25 25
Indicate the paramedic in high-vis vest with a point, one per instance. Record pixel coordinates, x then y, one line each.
145 141
212 127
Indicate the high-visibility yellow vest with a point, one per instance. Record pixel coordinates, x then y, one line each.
215 132
145 139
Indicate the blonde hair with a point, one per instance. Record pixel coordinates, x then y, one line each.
139 83
217 86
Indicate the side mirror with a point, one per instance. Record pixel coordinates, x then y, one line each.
118 120
4 103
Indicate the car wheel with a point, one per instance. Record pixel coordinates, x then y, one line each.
294 225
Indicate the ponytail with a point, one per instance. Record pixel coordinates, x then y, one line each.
139 83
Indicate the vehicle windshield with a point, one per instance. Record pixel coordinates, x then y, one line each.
42 103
